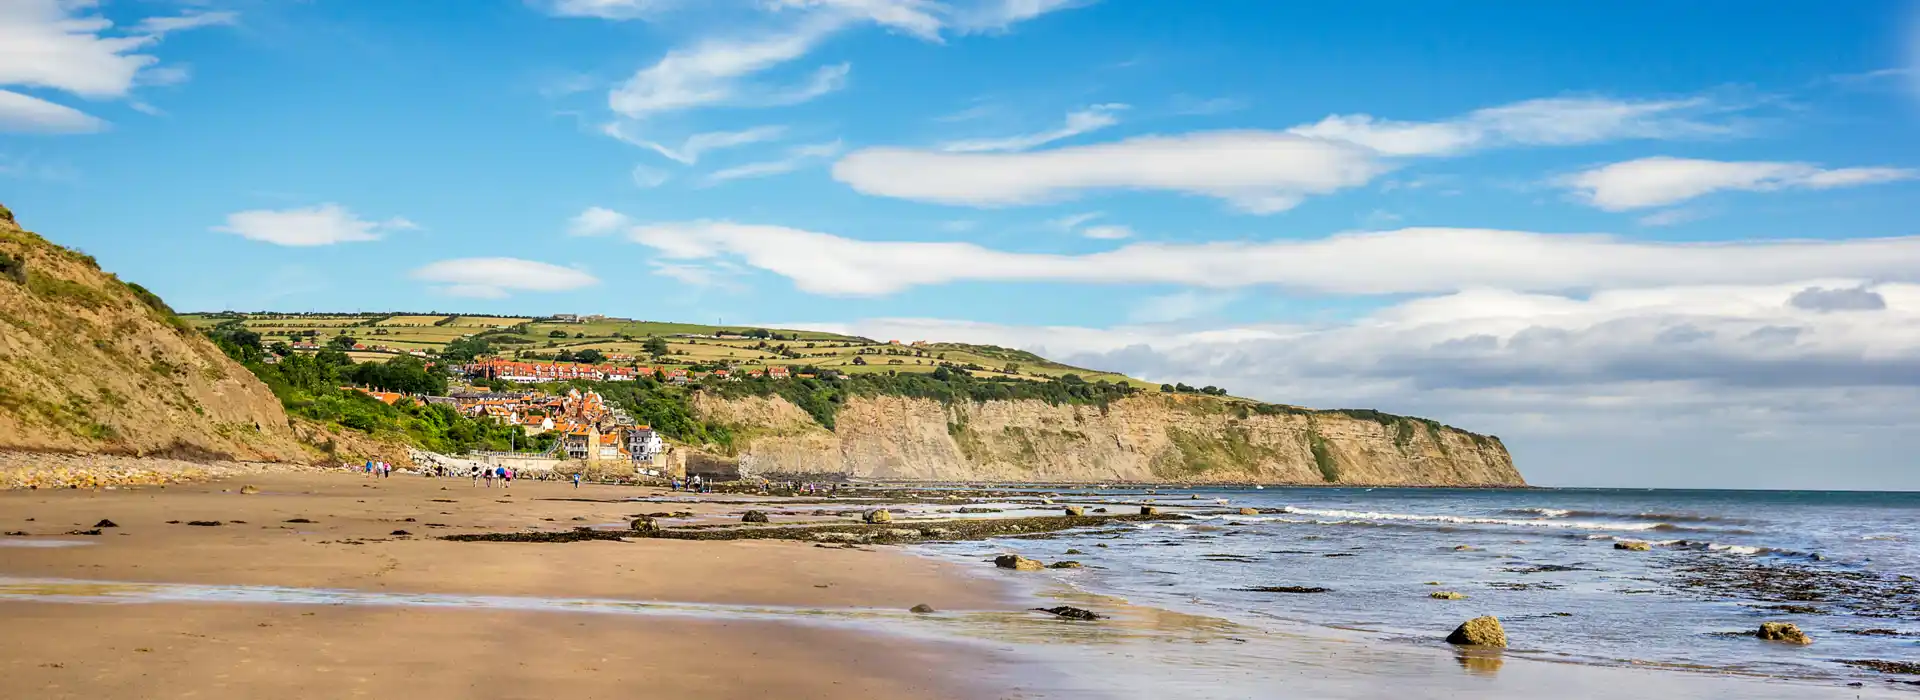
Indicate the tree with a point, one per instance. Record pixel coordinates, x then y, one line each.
464 350
556 334
1013 368
589 356
341 342
657 347
281 348
1166 388
859 360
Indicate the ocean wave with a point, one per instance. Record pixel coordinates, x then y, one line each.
1618 515
1470 520
1696 545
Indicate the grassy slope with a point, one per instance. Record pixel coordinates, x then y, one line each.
432 332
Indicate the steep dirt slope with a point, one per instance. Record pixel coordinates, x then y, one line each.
1144 438
89 363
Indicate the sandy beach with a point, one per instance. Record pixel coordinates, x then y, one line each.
241 651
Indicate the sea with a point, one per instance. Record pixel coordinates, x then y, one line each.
1360 565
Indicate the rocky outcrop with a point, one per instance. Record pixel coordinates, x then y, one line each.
1146 438
91 364
1785 632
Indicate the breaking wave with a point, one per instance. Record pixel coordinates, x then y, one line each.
1472 520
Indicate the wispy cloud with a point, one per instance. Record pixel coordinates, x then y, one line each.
1080 122
1661 181
65 46
1405 261
597 221
694 146
797 157
1542 122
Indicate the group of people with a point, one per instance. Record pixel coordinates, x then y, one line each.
693 484
377 470
488 474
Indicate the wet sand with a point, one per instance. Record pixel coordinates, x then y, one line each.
244 651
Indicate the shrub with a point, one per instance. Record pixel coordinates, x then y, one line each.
13 268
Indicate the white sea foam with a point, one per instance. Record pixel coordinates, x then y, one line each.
1466 520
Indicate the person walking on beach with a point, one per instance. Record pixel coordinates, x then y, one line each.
576 480
488 475
506 477
476 476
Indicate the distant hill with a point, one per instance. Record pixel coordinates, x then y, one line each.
92 363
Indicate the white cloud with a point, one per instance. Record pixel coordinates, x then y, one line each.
325 224
690 150
1260 172
1087 120
1076 223
1405 261
1257 171
493 278
719 71
797 157
1107 232
1541 122
1660 181
64 45
1073 221
26 114
597 221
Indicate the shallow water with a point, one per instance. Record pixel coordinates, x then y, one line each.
1541 560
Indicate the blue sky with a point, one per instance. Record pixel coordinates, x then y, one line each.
1645 243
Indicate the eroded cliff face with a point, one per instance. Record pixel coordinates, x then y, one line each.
1150 438
91 364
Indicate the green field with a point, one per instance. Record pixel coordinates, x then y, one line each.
688 344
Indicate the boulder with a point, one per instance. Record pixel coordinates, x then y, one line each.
1249 511
1018 563
106 523
1783 632
923 609
1073 551
1149 510
1076 511
1484 631
754 516
1633 546
249 489
1065 565
877 516
1447 595
644 523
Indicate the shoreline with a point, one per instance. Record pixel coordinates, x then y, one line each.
835 616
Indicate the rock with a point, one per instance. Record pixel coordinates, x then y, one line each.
1249 511
249 490
754 516
106 523
1193 497
1634 546
1284 589
1484 631
1447 595
1099 510
1018 563
1466 548
1783 632
204 523
643 524
1076 511
400 533
94 532
1071 613
1065 565
1073 551
1149 510
16 533
877 516
923 609
299 521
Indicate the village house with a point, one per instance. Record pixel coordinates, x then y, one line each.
778 372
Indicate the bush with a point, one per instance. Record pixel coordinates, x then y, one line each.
13 268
